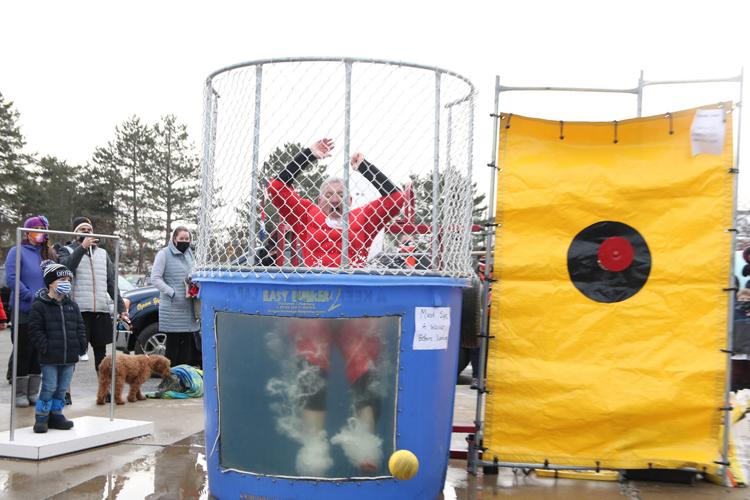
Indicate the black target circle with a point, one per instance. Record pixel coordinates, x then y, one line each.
609 261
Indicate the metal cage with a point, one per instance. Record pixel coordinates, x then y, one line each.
415 123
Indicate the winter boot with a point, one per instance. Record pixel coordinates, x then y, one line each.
42 416
35 382
22 392
56 419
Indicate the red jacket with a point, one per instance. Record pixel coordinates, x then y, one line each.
321 245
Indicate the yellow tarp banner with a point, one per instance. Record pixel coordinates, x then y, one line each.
626 383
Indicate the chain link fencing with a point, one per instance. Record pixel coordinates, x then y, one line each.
270 206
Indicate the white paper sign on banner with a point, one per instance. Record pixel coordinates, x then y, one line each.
431 327
707 131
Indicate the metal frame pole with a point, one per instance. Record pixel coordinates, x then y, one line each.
449 138
114 331
449 183
640 94
504 88
469 174
484 327
730 313
471 138
638 91
16 312
347 148
254 176
209 127
436 176
16 321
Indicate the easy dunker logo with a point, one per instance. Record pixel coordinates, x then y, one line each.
302 300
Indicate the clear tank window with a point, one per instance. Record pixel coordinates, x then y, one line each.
307 397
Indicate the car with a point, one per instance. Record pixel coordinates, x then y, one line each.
125 284
143 311
138 280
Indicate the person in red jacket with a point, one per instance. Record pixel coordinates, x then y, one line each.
3 317
319 226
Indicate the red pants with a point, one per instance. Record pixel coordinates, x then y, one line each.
358 338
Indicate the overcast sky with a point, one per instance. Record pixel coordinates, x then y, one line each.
77 69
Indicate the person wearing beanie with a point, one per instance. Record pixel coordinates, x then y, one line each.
35 248
58 332
93 287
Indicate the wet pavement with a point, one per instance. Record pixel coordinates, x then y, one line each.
171 463
178 471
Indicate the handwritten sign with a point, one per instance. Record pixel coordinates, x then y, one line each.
707 131
431 328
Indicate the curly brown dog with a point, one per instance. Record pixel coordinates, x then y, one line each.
133 369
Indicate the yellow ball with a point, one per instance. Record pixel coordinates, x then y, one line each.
403 464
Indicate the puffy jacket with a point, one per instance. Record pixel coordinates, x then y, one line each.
94 285
168 274
57 330
32 278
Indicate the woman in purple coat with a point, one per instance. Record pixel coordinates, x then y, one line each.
35 248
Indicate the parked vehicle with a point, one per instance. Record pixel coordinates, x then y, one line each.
144 335
125 284
138 280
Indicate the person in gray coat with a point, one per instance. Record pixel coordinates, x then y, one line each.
171 276
93 287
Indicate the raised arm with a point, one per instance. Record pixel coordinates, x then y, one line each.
376 214
294 209
317 151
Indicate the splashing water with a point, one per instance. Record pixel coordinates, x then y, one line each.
360 446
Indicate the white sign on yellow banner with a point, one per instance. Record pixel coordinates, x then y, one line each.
609 314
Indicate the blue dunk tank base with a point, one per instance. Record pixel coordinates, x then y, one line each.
312 382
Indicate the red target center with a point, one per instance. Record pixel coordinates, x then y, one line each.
615 254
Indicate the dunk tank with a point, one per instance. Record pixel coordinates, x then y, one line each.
333 246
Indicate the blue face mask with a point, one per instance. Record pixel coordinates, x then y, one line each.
63 288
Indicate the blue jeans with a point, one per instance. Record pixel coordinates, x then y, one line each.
55 381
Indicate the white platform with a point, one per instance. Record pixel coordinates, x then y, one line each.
88 432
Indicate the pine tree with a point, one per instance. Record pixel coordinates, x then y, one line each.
16 185
132 155
422 189
97 192
174 185
59 182
307 184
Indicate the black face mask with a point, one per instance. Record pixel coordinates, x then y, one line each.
182 245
